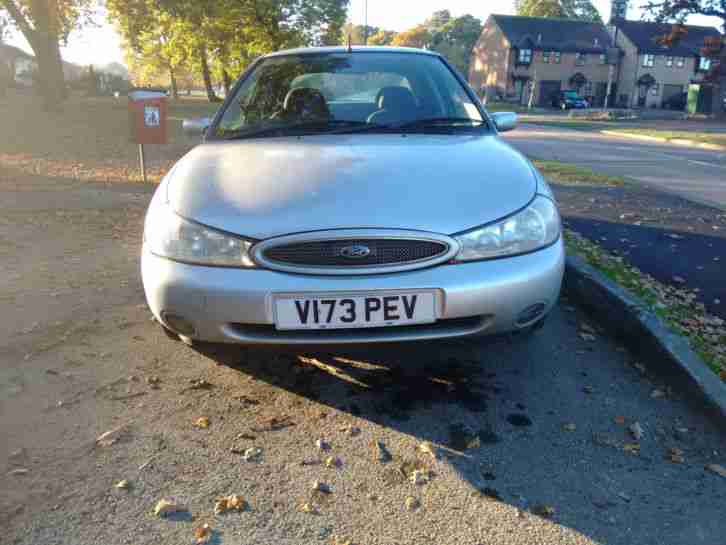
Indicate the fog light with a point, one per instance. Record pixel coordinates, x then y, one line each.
530 314
178 324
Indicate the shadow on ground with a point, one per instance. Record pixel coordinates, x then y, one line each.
531 424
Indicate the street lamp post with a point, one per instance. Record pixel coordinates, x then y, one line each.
365 28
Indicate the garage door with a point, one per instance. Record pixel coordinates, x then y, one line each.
548 91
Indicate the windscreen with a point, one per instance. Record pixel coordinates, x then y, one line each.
365 88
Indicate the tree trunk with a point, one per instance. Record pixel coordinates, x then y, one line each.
173 84
51 81
43 38
227 81
206 74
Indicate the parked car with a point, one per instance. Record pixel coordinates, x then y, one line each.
568 100
676 102
389 211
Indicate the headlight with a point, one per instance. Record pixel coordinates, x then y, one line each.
173 237
533 228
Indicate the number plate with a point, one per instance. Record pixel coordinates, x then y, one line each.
348 311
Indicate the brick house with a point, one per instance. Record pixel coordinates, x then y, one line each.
652 74
515 55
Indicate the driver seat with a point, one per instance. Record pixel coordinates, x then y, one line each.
305 103
395 105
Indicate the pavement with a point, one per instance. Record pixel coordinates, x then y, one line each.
531 439
698 175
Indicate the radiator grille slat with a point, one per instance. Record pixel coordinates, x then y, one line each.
330 253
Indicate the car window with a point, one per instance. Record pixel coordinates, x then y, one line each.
359 87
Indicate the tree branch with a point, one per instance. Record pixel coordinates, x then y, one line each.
19 19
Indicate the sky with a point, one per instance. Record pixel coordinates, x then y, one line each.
101 45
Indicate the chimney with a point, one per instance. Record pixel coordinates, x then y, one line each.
618 10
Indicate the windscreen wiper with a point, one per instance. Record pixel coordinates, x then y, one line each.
323 126
441 123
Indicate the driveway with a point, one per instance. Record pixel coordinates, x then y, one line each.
531 439
699 175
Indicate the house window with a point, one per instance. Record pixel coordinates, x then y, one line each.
680 62
558 57
669 62
525 56
546 57
655 90
580 59
587 89
648 61
603 58
704 64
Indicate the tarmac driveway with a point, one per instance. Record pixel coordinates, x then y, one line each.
530 439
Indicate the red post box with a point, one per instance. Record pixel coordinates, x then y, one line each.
147 117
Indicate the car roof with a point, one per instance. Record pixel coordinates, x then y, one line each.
352 49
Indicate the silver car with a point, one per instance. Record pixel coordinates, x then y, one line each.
351 195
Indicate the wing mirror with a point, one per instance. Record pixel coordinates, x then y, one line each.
196 127
505 121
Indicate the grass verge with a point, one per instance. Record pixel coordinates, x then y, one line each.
677 307
702 137
566 173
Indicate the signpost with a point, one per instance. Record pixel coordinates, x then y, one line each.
147 119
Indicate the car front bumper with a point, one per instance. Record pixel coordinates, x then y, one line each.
236 306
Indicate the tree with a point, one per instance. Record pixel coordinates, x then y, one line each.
581 10
46 24
677 11
382 37
455 38
419 36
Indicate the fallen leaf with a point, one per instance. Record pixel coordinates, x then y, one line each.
202 422
632 448
675 455
308 508
321 444
569 427
203 534
545 511
588 337
428 448
636 430
588 389
717 469
19 471
167 507
123 484
657 394
110 437
252 453
587 328
351 431
332 462
620 420
232 502
420 477
154 382
412 503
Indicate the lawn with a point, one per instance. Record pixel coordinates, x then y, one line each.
89 139
493 107
566 173
703 137
678 308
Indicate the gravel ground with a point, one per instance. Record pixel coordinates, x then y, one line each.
531 438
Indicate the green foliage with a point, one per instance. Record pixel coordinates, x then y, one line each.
679 10
217 39
581 10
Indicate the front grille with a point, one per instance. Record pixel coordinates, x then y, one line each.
331 253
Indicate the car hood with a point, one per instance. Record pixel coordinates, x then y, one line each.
269 187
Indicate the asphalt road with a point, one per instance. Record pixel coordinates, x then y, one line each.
699 175
532 438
